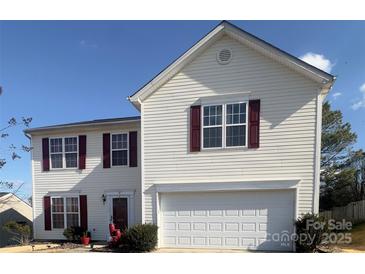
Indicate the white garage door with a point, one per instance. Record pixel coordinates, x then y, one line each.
243 219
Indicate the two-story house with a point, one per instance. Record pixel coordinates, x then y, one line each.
225 153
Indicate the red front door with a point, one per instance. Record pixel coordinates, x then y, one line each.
120 213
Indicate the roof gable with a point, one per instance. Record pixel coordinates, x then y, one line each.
11 201
323 78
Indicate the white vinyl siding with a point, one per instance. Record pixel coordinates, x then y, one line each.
93 181
287 125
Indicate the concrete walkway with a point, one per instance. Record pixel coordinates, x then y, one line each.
48 248
27 248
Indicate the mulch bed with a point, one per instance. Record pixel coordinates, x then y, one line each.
61 246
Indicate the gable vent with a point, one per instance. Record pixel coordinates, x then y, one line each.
224 56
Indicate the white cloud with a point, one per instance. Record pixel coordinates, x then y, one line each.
87 44
318 60
362 88
360 103
336 94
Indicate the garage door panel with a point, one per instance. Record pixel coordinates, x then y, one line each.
242 219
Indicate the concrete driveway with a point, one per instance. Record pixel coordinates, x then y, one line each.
199 250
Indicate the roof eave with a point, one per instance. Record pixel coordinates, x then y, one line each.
72 126
135 102
328 86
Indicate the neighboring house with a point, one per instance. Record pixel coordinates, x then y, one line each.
12 208
228 149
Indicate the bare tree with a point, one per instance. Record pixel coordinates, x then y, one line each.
12 152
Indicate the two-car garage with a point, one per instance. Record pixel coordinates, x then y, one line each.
258 220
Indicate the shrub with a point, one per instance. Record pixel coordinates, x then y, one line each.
21 232
310 231
141 237
73 233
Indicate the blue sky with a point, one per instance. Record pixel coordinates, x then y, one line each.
68 71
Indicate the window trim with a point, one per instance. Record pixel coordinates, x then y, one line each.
215 126
64 153
224 125
239 124
64 197
111 149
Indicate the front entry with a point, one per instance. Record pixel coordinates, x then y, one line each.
120 212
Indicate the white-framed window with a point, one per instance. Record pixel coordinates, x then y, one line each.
56 152
65 212
71 152
236 124
63 152
212 126
119 149
224 125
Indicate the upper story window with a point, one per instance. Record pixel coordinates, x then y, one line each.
56 152
119 149
63 152
65 212
236 125
212 126
225 125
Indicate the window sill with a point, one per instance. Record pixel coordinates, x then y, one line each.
124 166
62 169
215 149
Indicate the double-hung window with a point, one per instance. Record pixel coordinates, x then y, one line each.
119 149
72 211
63 152
236 125
225 125
65 212
212 126
58 212
56 152
71 152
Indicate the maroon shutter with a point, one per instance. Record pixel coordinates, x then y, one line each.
82 151
106 150
133 148
83 212
195 128
254 124
47 212
45 153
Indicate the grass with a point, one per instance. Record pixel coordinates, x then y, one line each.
358 239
